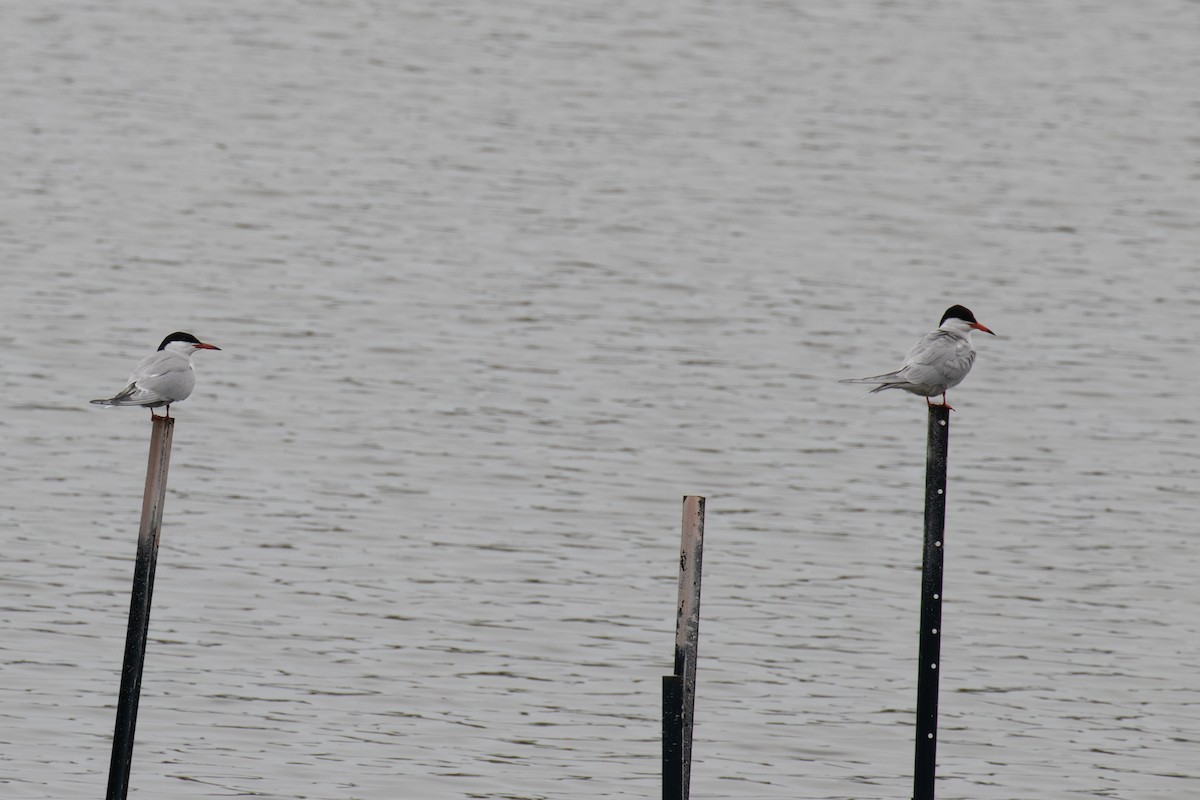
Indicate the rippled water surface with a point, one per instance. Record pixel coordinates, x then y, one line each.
496 284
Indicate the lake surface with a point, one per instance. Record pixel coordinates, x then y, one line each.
496 285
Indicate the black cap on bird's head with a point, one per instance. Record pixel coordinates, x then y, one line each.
964 313
953 312
180 336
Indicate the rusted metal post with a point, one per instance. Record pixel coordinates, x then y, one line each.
161 434
929 651
687 636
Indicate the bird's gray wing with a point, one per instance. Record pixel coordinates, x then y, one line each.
939 359
155 364
164 376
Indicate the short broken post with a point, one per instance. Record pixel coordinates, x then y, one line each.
679 689
161 433
929 651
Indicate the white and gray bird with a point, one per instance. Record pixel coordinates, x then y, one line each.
938 362
161 378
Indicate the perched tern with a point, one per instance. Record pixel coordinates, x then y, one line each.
938 362
161 378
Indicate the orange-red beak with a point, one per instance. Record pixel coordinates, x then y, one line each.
204 346
979 326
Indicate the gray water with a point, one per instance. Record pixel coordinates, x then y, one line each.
496 285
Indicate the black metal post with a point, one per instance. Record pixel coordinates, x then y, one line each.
161 434
931 602
672 737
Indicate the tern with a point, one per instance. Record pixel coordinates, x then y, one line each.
938 362
163 377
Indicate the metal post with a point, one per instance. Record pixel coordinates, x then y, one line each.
672 737
161 433
931 602
687 625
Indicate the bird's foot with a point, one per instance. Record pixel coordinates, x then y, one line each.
942 404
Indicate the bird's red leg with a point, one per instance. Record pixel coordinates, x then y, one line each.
942 404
